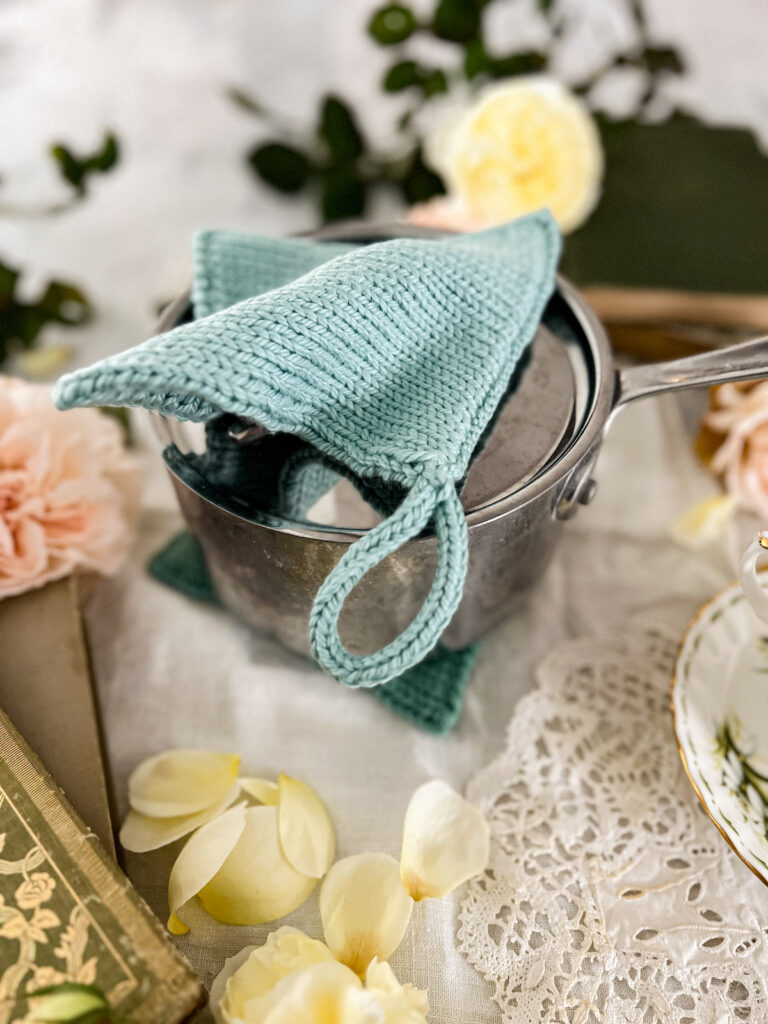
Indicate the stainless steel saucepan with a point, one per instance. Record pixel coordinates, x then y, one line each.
531 476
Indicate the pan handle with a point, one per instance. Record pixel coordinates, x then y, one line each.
747 361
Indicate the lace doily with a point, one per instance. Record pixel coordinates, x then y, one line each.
610 897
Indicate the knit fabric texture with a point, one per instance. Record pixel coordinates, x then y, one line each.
391 359
430 695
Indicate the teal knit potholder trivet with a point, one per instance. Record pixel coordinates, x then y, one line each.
430 695
390 359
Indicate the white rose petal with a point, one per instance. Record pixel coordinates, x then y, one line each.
221 1013
255 883
401 1003
314 995
446 840
140 833
180 782
256 970
263 790
306 831
704 522
200 859
364 909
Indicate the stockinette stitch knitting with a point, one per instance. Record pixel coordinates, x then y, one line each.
390 359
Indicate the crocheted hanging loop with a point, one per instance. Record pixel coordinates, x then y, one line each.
424 501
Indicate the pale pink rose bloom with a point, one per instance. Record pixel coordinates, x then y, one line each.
742 458
69 491
445 213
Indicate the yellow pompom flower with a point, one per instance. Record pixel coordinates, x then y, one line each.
522 145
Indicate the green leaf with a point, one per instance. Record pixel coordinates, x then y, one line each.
339 129
408 73
392 24
545 6
65 303
476 60
70 168
66 986
8 280
21 322
76 169
342 195
283 167
106 158
525 63
420 183
457 21
401 76
434 82
663 58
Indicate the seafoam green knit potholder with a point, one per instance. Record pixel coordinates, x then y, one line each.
391 359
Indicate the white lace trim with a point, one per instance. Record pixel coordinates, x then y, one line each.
610 897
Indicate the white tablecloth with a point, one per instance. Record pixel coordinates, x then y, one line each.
174 673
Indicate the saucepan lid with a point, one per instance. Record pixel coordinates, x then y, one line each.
538 420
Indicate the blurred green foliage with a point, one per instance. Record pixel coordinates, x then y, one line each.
335 159
58 302
341 165
77 169
21 321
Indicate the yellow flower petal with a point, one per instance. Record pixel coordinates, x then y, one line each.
263 790
256 884
704 522
43 363
181 782
256 970
222 1013
446 840
404 1003
306 830
522 145
317 994
200 859
364 909
140 833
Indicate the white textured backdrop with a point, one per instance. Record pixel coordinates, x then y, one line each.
156 72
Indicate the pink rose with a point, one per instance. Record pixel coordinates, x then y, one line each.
445 213
68 490
742 458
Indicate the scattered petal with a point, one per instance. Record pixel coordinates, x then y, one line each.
43 363
263 790
201 858
306 830
217 994
364 909
311 995
446 840
256 970
704 522
140 833
404 1003
181 782
255 883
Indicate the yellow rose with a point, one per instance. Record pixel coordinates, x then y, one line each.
294 978
520 146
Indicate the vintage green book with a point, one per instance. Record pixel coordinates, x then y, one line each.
67 912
